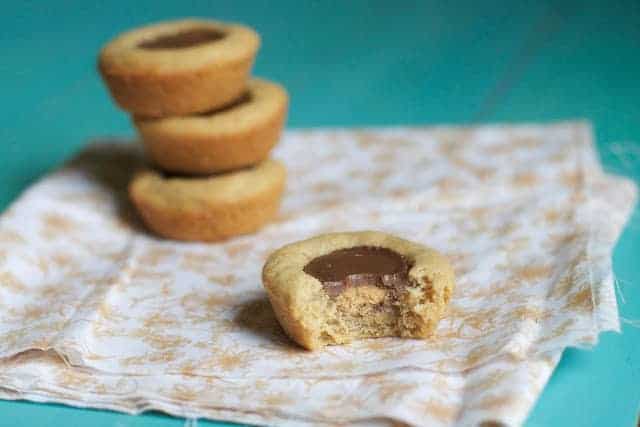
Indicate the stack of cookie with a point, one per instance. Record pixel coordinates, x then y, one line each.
206 126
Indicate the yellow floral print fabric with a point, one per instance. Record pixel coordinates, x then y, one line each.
95 311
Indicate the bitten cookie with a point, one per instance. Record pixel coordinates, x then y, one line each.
238 135
178 67
209 208
335 288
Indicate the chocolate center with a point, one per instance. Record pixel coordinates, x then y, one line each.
245 98
359 266
183 39
177 175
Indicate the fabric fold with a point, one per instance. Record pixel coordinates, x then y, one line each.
503 391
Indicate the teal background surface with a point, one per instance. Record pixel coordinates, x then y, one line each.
361 63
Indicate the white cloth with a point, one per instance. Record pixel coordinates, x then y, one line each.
525 213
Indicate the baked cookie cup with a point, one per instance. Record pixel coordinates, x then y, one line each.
236 136
336 288
209 208
178 67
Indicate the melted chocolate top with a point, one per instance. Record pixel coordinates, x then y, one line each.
359 266
183 39
245 98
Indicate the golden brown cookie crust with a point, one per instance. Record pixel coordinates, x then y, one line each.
234 137
210 208
313 319
175 81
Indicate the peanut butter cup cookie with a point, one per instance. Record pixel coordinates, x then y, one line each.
209 208
335 288
238 135
178 67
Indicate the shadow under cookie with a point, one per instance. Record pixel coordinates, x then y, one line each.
257 317
112 164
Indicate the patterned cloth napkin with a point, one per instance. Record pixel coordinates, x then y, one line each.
94 311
